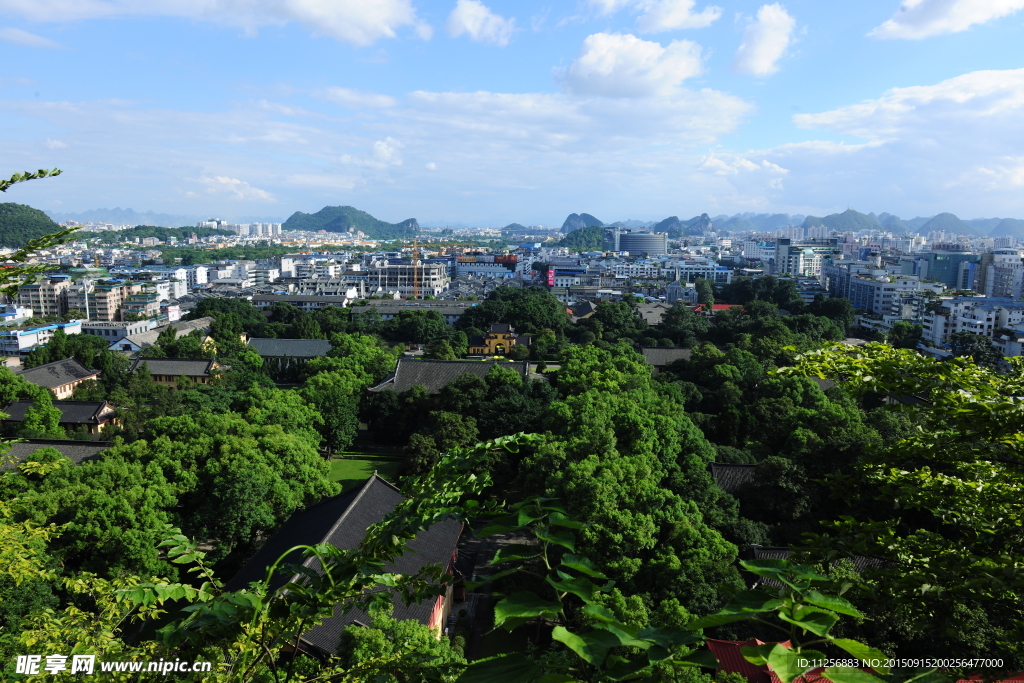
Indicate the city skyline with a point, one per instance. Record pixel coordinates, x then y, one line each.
484 113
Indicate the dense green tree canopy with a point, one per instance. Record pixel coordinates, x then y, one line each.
530 309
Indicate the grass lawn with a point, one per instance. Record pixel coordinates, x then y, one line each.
353 470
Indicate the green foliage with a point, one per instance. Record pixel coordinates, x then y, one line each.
406 644
143 231
28 175
975 346
905 335
684 327
590 238
705 291
191 255
20 223
42 419
943 495
780 291
349 219
531 310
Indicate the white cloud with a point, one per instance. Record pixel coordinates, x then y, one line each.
764 41
234 188
474 18
616 65
918 19
55 144
386 152
979 107
431 166
669 15
353 21
956 145
356 99
19 37
662 15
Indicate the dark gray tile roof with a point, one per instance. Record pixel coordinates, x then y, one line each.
824 384
501 328
58 373
730 477
295 348
437 374
660 357
193 367
72 412
759 552
77 451
342 521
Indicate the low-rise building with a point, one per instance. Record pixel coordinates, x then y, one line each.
500 339
167 371
76 416
61 376
19 342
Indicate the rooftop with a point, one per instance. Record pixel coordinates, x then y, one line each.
434 375
342 521
192 367
58 373
296 348
72 412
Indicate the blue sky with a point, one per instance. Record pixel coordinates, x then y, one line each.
491 112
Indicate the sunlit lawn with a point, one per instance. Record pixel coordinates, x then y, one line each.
350 470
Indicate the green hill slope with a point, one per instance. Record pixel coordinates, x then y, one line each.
584 239
19 223
349 219
948 222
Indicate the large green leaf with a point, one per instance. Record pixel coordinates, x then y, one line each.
846 674
788 664
558 537
558 519
628 670
742 606
817 621
524 605
872 658
757 654
592 647
705 659
514 668
558 678
580 586
832 602
669 636
514 552
583 565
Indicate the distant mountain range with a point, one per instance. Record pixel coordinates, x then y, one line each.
846 221
347 219
350 219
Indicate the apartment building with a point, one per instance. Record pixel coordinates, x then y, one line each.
49 297
405 277
879 294
801 258
981 315
1001 273
103 300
